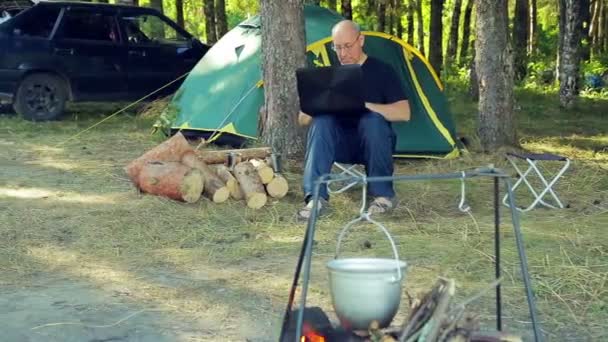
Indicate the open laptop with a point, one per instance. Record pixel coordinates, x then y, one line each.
334 90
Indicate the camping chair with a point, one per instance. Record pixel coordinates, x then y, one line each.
534 161
345 170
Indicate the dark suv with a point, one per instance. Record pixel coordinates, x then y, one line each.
55 52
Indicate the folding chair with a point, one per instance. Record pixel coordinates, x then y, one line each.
345 170
533 161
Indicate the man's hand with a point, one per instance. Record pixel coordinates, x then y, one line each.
304 119
397 111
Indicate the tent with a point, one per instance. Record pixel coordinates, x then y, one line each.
221 97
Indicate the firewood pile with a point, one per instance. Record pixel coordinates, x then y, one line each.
176 170
436 318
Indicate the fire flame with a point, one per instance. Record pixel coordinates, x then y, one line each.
310 335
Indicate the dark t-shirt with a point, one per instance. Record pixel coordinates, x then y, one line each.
381 82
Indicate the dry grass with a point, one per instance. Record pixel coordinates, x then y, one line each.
69 208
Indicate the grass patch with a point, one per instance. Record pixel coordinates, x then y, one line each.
67 207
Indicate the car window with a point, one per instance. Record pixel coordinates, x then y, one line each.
86 25
145 29
38 22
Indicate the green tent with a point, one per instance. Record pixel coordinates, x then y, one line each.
221 97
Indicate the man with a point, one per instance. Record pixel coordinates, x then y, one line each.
367 139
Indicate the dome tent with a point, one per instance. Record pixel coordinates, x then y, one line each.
222 95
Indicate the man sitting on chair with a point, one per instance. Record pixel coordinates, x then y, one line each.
367 139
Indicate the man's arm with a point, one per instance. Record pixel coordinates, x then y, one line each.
396 111
304 119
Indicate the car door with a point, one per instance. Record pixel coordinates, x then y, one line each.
158 52
89 45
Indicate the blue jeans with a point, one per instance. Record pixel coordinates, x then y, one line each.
370 141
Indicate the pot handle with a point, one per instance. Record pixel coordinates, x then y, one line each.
383 229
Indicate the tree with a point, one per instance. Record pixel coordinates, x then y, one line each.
466 32
179 12
381 14
157 5
397 14
493 61
454 29
332 4
436 37
420 21
209 11
347 9
570 50
283 51
521 26
533 32
221 25
584 22
410 22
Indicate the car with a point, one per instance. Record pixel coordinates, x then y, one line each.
55 52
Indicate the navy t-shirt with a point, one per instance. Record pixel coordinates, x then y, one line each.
381 82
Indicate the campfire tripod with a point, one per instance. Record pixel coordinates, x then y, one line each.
306 251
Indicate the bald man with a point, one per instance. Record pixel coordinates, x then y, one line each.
367 139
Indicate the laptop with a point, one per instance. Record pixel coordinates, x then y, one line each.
334 90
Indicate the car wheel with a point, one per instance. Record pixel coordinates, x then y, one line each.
41 97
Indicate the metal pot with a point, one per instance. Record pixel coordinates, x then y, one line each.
364 290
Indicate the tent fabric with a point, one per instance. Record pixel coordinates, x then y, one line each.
222 95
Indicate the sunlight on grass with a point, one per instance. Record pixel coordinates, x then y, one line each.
60 196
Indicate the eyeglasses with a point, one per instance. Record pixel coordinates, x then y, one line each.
346 46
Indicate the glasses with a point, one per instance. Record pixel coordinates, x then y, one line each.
346 46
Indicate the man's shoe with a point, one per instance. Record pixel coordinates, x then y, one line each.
380 205
306 212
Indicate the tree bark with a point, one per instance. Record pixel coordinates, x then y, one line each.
593 28
521 27
221 25
420 21
332 4
347 9
533 31
179 10
454 29
282 21
410 22
473 79
215 189
493 60
209 11
252 187
585 21
466 33
570 47
398 14
157 5
436 37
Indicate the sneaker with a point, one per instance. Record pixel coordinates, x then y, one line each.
380 205
306 212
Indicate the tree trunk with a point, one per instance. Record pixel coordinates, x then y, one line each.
436 37
157 5
381 14
209 11
410 22
473 79
593 28
493 61
420 20
570 51
466 33
347 9
179 10
332 4
221 25
282 21
454 29
533 32
600 28
398 14
521 26
585 21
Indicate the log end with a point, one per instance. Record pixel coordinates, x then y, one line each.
278 187
192 186
256 200
221 195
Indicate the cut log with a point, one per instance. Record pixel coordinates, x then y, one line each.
251 184
215 189
170 150
221 156
171 179
277 187
233 185
266 173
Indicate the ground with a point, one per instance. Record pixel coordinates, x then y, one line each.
85 257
